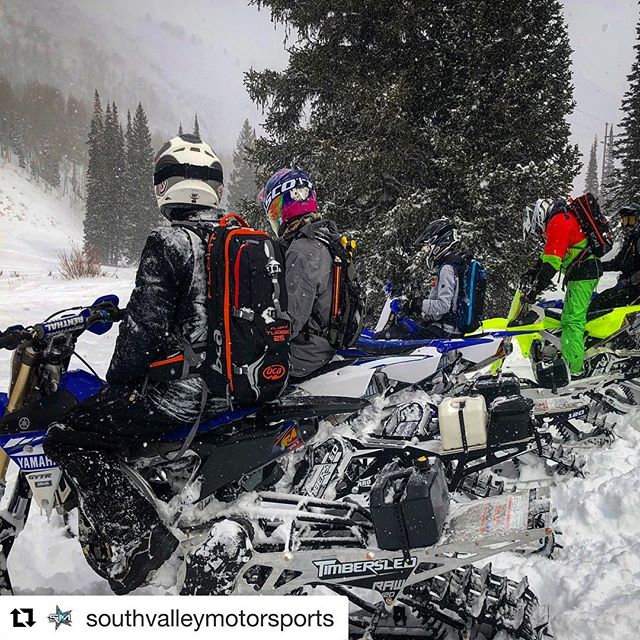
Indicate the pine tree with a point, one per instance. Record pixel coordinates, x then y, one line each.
196 127
144 206
95 233
591 183
242 186
627 147
115 172
129 211
403 123
180 132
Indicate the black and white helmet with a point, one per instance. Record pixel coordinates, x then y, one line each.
187 176
535 218
438 239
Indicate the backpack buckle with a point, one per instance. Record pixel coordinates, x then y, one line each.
273 267
245 314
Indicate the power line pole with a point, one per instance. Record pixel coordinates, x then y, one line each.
604 150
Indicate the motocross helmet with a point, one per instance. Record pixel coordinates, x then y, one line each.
288 194
535 218
187 176
629 215
438 239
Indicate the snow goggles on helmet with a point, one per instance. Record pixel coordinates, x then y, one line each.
629 220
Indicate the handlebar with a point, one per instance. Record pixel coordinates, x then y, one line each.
104 312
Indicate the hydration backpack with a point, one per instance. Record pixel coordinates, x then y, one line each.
472 286
246 355
348 300
593 223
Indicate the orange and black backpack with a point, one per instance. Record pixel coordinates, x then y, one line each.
246 355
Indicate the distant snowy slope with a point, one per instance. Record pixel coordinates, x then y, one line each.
34 224
34 227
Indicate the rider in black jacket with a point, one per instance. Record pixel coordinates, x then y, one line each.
627 261
167 306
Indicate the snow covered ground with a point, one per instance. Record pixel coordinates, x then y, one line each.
592 585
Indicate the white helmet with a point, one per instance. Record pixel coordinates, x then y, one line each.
187 176
535 218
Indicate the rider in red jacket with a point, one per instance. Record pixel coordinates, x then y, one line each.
565 250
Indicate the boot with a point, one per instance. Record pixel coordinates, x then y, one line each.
212 568
147 556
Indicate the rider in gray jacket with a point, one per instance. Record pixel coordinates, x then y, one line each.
289 200
437 311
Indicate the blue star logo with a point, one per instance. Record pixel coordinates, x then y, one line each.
60 618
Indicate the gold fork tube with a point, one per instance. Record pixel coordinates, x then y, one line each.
18 393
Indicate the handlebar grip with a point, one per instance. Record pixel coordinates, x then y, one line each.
12 337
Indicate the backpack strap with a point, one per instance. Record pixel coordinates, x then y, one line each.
230 218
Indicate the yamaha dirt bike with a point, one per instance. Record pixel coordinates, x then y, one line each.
232 452
376 365
423 590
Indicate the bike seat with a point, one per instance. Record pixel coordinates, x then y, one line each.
556 314
379 347
597 313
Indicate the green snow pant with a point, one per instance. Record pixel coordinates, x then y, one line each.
574 317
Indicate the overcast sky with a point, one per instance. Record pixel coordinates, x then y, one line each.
602 35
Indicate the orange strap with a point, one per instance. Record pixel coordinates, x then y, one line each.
160 363
224 221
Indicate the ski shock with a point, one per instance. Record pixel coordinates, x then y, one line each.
477 600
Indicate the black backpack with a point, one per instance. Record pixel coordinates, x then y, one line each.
348 300
593 223
246 355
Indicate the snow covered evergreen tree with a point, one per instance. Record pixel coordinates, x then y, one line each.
591 182
242 186
95 221
196 126
115 172
422 110
627 146
144 210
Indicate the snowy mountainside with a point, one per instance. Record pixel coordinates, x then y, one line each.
35 226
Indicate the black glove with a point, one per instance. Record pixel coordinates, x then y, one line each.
414 306
544 278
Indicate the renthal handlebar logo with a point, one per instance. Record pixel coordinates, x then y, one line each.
57 325
335 569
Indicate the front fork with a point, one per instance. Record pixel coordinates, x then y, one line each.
20 386
14 516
